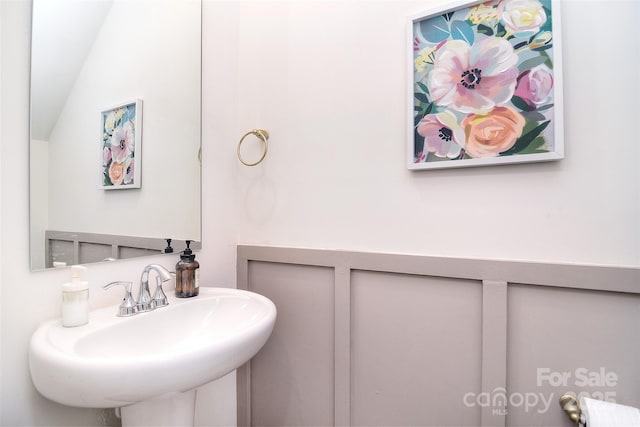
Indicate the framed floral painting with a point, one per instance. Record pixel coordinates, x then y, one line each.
485 84
121 134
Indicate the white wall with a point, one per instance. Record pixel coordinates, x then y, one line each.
327 80
66 28
147 52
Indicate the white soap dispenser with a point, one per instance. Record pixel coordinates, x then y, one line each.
75 299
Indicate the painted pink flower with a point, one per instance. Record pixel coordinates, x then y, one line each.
122 142
473 79
106 156
129 165
535 86
442 134
493 133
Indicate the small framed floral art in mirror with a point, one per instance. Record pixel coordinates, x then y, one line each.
121 134
485 84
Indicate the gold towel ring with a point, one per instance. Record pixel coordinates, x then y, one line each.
260 133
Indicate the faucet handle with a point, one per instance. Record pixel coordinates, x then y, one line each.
159 297
128 305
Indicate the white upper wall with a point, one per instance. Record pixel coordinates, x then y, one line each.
328 81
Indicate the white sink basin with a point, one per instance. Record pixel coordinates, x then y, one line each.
118 361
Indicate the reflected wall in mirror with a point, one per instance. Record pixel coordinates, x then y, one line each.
87 56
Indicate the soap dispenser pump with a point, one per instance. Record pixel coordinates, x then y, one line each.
187 274
75 299
168 249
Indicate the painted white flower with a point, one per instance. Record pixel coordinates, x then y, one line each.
110 121
424 58
521 16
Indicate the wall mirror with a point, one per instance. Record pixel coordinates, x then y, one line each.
115 129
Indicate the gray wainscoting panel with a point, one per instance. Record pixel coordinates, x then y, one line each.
92 252
567 340
415 349
367 339
292 377
80 248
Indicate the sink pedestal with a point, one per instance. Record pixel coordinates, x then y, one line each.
174 410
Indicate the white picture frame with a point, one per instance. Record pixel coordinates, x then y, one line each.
120 146
484 84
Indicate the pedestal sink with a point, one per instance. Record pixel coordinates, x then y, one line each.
150 364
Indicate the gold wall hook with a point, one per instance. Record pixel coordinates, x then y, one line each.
263 135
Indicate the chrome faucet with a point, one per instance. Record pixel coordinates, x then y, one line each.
131 306
145 302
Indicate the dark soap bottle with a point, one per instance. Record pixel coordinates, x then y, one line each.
187 274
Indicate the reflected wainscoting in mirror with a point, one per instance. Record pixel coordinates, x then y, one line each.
68 97
64 248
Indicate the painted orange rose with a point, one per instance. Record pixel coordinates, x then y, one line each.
116 173
488 135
